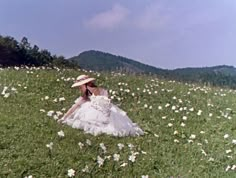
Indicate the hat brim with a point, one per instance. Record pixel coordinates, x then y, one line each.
76 84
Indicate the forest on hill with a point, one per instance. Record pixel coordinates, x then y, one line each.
222 75
14 53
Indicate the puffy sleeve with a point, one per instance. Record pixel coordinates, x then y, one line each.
104 92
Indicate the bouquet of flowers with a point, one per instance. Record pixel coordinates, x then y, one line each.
101 103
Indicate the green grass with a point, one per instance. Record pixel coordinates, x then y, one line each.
25 130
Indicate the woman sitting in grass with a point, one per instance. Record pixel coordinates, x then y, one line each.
95 114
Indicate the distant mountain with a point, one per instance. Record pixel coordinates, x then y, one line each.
222 75
100 61
223 69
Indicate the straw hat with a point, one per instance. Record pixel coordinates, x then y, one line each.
81 80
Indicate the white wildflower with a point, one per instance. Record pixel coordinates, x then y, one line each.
30 176
233 167
62 99
59 113
131 146
4 90
226 136
228 151
155 135
227 168
81 145
55 117
176 141
203 152
211 159
234 142
116 157
86 169
103 147
176 132
199 112
173 108
190 141
71 173
61 133
107 157
184 118
50 113
163 117
49 145
132 158
6 95
13 89
124 164
120 146
100 161
144 152
191 109
192 136
42 110
88 142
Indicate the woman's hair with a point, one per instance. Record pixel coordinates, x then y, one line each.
88 92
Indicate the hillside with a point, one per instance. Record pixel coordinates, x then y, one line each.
99 61
189 129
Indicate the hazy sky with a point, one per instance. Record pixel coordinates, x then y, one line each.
163 33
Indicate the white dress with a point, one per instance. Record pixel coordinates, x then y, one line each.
99 116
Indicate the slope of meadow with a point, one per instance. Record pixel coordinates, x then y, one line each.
190 130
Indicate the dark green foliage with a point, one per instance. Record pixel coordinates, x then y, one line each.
99 61
217 76
14 53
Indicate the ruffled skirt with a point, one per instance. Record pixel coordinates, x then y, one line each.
97 121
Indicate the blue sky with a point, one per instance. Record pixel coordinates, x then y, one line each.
163 33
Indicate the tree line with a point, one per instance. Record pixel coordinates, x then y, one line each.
14 53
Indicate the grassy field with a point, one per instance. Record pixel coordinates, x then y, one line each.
190 130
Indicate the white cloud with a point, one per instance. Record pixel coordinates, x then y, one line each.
108 19
154 16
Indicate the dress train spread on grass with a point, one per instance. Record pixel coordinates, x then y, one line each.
99 115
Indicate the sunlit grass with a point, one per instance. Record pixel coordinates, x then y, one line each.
185 127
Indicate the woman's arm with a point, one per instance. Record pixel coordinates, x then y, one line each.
72 109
